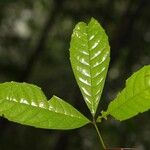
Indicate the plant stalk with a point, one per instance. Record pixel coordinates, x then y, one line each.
99 135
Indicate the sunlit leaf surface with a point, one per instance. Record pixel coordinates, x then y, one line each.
89 55
26 104
134 98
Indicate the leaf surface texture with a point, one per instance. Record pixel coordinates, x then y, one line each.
89 55
134 98
26 104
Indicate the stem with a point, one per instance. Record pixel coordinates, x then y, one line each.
99 135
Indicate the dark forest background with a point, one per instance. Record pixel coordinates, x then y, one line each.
34 43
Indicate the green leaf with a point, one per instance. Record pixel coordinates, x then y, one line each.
134 98
26 104
89 55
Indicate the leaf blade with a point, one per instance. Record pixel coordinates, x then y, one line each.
134 98
26 104
89 56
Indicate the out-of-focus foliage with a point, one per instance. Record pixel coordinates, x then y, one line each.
34 43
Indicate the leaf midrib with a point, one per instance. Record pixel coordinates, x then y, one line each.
36 107
91 89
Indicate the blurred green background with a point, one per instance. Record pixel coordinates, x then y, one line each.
34 43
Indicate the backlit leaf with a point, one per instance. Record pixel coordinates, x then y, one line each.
26 104
134 98
89 55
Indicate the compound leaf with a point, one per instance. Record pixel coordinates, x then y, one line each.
134 98
26 104
89 55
